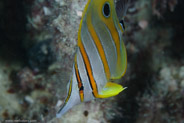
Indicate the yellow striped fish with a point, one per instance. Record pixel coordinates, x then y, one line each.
101 55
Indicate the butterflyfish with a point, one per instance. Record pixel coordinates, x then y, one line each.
101 55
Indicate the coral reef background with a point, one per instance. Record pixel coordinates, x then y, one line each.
37 46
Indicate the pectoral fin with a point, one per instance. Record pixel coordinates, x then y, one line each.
111 89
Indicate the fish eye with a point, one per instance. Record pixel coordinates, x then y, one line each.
106 10
122 24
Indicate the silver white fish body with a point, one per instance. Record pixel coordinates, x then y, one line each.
93 69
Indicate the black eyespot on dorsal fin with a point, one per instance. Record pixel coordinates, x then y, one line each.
106 10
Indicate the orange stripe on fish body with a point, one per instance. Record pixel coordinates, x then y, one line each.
80 84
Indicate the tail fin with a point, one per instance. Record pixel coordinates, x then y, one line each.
121 8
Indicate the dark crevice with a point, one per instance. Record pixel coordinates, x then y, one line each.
13 30
141 66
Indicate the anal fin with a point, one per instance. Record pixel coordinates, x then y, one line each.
111 89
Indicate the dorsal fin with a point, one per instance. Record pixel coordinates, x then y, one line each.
121 8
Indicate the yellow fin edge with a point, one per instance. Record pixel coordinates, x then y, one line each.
80 25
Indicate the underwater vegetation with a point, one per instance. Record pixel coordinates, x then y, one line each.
37 45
